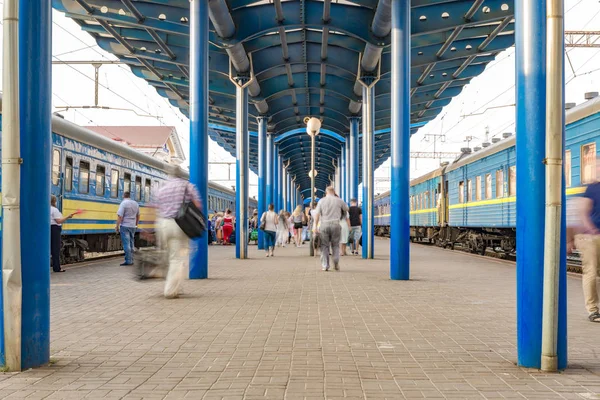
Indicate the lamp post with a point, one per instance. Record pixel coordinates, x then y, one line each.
313 125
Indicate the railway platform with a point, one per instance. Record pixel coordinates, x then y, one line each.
280 328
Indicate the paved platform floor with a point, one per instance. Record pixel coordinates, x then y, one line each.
280 328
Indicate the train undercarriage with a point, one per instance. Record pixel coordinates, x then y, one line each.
474 240
74 247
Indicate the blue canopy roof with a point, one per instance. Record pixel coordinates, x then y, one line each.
305 56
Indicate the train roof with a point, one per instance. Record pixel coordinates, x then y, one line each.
492 149
75 132
572 115
433 174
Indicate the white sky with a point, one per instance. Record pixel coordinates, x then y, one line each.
468 114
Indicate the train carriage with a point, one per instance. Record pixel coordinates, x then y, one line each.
91 173
481 198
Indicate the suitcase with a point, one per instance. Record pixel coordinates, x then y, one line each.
150 264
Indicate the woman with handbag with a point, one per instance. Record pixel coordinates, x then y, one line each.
173 194
268 224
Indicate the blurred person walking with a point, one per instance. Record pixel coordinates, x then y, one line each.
588 243
328 213
56 221
282 229
344 233
268 223
128 217
172 195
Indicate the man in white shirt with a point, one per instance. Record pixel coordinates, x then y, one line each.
329 212
128 218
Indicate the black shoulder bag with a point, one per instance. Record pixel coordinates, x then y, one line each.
190 219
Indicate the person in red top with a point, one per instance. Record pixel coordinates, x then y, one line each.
227 226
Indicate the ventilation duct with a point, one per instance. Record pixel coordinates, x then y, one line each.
465 150
568 106
590 95
477 148
506 135
485 144
496 140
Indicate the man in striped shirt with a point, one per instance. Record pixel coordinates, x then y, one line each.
172 195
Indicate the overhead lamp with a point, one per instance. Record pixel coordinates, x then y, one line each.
313 126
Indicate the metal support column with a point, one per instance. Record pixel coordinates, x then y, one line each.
35 77
368 164
199 26
269 186
277 176
400 142
312 188
242 156
288 192
262 174
555 211
27 146
353 159
530 39
343 174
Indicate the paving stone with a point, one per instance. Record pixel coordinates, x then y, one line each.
280 328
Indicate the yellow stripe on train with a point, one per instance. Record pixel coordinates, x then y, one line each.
94 210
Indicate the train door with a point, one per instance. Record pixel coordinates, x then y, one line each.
57 178
446 205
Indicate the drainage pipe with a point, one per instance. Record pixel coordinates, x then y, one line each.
12 284
554 177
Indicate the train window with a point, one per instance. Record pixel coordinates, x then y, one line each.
138 188
499 183
588 163
127 183
114 184
147 191
478 188
469 190
488 186
100 180
568 168
512 180
69 174
84 177
55 167
155 187
461 192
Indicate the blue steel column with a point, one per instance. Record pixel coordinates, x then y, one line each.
199 124
347 176
400 145
241 183
288 191
368 173
530 39
35 77
343 174
270 161
262 174
353 159
278 167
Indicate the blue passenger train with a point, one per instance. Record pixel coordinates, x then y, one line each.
472 201
91 173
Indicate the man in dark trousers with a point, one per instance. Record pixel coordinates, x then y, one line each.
355 224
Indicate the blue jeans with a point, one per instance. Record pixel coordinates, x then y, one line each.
127 238
269 239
